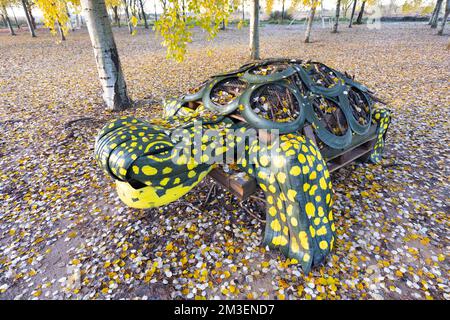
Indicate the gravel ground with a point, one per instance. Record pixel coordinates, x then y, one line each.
65 234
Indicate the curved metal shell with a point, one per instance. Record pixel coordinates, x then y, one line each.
353 122
253 78
330 139
260 123
211 105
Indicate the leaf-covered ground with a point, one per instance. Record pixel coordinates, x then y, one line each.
65 234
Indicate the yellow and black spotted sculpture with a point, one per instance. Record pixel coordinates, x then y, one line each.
156 162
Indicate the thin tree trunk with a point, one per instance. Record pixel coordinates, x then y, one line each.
361 13
143 14
433 13
336 23
346 11
444 19
8 22
435 18
282 11
4 20
353 13
312 12
136 10
70 18
106 55
127 15
15 18
78 23
116 16
243 10
254 30
156 15
29 20
61 31
30 13
183 8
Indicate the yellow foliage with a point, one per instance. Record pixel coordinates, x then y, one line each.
175 28
269 6
55 11
411 6
113 3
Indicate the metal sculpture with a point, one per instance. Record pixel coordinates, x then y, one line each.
286 96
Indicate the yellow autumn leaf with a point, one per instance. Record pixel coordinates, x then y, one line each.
134 21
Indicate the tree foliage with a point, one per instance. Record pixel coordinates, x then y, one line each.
56 12
176 32
413 6
269 6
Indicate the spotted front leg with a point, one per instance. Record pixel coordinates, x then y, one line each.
383 118
298 191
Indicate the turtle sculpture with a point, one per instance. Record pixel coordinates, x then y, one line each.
254 119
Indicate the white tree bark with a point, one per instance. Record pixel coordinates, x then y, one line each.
8 22
61 32
27 16
353 13
444 18
144 17
127 15
312 12
254 30
336 23
435 16
78 22
106 56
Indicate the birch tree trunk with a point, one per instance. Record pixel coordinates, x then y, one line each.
15 18
353 13
433 13
70 18
4 20
78 23
143 14
156 15
8 22
336 23
33 21
61 31
28 17
435 17
116 16
312 12
361 13
444 19
127 15
254 30
106 55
